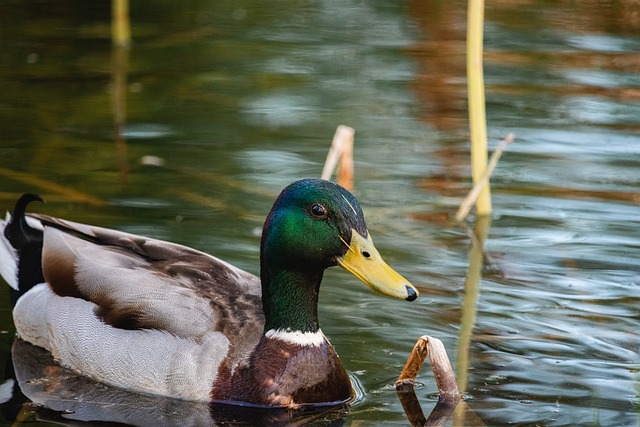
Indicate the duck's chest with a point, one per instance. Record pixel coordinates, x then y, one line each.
285 371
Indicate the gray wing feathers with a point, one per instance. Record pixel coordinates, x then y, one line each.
140 283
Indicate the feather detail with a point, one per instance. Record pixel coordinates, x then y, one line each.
141 283
150 361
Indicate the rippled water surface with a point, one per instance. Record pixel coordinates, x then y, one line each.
224 103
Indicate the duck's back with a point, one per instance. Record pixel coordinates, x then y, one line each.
139 313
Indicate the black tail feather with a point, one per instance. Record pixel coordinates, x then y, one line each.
28 242
18 232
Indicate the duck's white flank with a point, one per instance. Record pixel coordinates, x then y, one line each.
313 339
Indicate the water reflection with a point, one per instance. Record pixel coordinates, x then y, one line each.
119 88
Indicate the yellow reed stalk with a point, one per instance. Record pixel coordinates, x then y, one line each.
120 26
475 91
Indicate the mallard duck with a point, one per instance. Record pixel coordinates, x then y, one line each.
157 317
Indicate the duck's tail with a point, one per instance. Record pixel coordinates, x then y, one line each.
21 249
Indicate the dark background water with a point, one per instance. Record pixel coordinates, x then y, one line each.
234 100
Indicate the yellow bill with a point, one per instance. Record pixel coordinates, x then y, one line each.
364 261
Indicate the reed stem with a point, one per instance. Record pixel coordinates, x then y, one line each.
440 365
476 100
120 25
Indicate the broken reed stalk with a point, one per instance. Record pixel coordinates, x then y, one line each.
476 101
467 203
440 365
341 156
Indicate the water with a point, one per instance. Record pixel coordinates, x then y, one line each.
234 100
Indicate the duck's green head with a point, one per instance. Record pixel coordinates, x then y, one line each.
315 224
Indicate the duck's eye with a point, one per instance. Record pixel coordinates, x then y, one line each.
318 211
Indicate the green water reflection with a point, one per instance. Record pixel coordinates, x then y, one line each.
227 102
